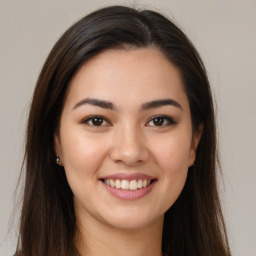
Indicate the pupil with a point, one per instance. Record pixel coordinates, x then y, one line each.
158 121
97 121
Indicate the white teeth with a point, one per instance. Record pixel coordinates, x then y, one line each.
118 184
144 183
133 185
139 183
126 184
112 183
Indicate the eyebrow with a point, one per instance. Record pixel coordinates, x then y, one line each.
95 102
145 106
160 103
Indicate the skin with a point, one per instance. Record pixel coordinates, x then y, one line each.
127 141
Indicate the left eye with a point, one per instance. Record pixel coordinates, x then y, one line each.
96 121
160 121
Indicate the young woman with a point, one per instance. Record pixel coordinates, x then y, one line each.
121 144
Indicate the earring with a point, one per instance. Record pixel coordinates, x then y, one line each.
57 159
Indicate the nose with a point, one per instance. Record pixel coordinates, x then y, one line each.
129 146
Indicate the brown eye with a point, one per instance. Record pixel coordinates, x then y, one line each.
97 121
158 121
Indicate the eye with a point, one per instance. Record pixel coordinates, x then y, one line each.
96 121
160 121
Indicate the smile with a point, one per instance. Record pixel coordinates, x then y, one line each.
128 185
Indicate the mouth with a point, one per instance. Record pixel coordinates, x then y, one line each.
125 184
128 186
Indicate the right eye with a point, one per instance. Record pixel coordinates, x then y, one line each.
161 121
96 121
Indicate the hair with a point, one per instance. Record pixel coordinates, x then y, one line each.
194 225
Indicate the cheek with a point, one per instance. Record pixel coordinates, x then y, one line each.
174 168
82 154
172 156
173 153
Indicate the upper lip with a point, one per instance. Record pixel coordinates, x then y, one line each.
128 176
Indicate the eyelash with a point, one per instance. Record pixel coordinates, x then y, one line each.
167 121
90 119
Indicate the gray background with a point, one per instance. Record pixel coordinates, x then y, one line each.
224 34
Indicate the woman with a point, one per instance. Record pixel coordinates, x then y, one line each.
121 144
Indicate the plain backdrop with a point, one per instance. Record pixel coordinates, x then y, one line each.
224 34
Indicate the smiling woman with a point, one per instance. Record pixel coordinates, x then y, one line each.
121 148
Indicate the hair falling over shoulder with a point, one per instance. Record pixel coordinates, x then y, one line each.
194 225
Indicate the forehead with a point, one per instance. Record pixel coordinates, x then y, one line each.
127 76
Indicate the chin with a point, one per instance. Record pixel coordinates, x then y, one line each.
132 220
129 224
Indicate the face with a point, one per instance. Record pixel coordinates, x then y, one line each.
125 138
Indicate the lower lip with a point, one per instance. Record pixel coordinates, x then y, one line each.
129 194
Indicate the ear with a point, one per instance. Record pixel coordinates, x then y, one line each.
58 148
197 134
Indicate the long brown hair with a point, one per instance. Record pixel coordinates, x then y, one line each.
194 225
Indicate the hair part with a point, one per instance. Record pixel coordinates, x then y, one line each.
194 225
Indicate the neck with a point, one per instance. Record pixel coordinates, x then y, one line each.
96 238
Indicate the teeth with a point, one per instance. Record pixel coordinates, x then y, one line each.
118 184
139 183
112 183
126 184
133 185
